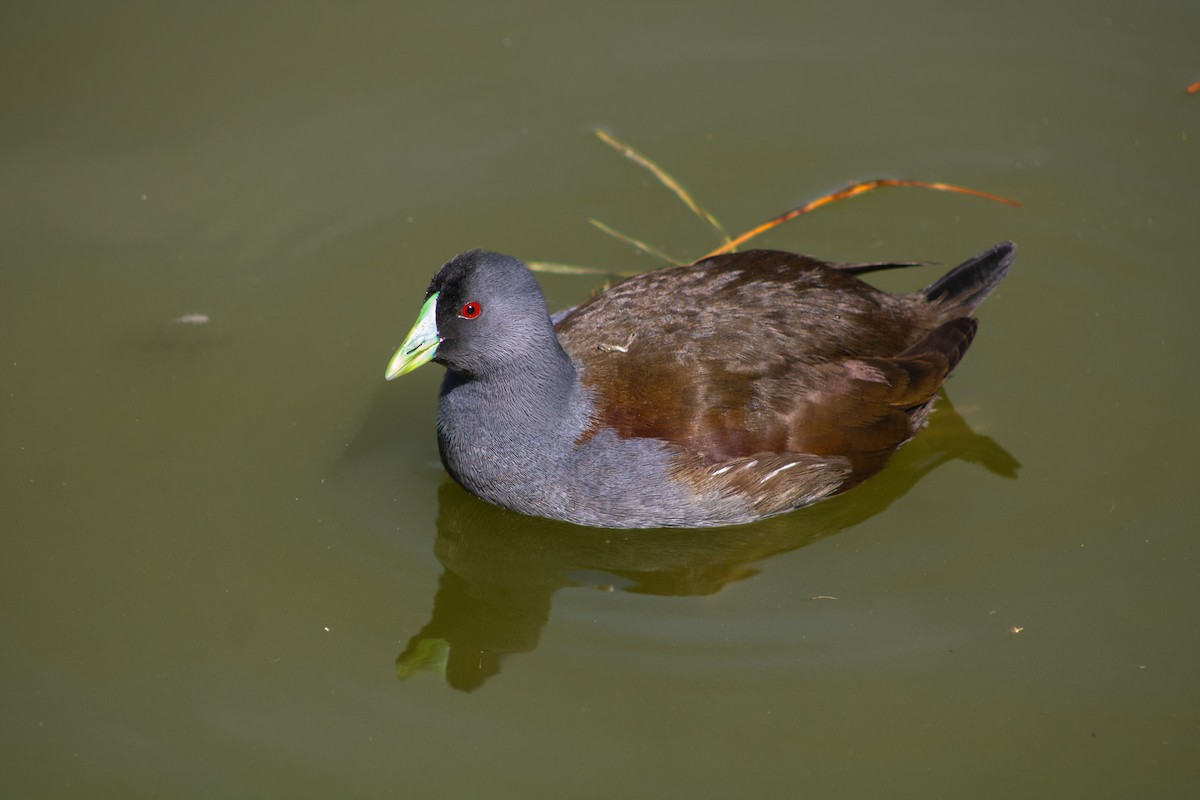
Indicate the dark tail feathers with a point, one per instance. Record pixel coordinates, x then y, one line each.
971 281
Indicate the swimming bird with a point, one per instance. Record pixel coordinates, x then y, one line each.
740 387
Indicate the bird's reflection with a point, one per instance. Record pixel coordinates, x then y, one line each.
502 568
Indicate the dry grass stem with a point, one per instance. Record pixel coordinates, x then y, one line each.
844 194
640 245
666 180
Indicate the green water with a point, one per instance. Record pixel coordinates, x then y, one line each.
223 543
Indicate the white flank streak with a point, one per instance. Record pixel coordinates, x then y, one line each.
722 470
775 472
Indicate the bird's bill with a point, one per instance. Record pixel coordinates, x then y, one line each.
421 344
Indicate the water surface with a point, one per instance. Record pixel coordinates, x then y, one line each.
232 565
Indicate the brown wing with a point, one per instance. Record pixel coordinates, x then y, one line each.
722 357
843 433
868 407
780 378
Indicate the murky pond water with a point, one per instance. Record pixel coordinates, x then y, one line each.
233 566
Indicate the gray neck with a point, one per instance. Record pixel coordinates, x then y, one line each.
503 434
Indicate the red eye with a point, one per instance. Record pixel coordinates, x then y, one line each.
470 310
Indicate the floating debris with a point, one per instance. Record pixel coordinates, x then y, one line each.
192 319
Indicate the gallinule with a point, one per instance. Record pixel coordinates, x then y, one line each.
736 388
